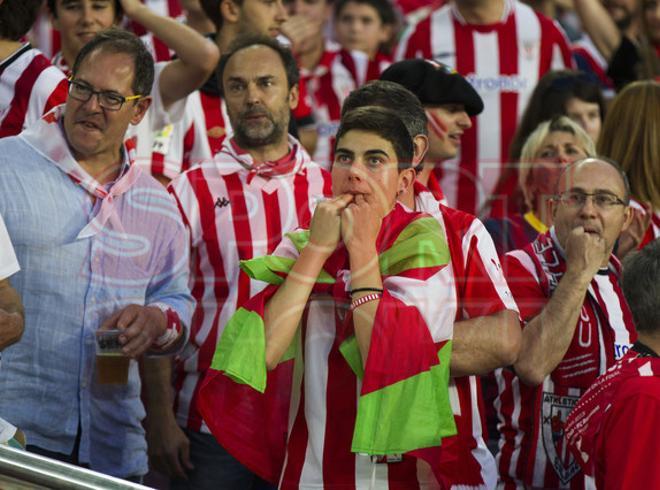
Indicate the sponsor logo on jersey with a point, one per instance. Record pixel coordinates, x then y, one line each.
500 83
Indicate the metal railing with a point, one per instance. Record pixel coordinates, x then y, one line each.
23 470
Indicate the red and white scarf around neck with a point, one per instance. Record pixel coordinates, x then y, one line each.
591 345
47 137
292 162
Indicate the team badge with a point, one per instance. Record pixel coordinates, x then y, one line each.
553 417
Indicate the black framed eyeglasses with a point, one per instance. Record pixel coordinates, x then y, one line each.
109 100
602 200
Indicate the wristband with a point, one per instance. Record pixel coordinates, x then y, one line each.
365 290
365 299
172 331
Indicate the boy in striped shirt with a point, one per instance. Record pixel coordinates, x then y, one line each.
261 185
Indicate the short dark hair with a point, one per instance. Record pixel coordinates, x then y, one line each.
641 287
247 40
383 7
17 17
549 99
115 40
119 11
212 10
608 161
390 94
383 122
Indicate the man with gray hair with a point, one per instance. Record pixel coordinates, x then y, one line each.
615 426
576 322
102 247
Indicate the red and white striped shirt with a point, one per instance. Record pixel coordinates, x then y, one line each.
29 87
166 8
532 450
194 140
475 281
503 62
232 214
337 74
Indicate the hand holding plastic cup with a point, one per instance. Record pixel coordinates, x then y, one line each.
111 363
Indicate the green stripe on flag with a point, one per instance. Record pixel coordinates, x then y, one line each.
299 238
351 351
412 414
241 352
272 268
421 244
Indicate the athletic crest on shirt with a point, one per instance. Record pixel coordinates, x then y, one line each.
553 417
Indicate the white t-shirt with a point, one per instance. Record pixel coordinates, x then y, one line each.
8 262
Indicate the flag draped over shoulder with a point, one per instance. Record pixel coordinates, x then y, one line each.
403 406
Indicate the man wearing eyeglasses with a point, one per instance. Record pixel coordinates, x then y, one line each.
101 247
576 323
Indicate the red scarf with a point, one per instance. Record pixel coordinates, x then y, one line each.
585 348
586 421
296 159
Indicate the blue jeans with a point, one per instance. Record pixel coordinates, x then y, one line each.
215 468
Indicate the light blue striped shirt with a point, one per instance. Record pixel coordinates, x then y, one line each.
69 286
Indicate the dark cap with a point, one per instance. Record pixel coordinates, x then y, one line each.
434 83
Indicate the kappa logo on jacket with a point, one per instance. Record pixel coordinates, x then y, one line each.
221 202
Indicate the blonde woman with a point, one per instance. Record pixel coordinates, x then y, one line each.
549 148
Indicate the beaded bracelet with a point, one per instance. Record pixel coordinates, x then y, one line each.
365 299
365 290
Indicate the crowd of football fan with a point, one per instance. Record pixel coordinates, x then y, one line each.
345 243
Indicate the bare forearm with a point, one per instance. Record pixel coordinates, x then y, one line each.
284 310
157 382
547 337
599 26
482 344
197 56
364 274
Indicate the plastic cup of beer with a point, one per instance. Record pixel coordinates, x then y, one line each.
111 363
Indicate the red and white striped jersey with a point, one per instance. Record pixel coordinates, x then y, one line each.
232 214
503 62
194 140
476 282
29 87
337 74
532 450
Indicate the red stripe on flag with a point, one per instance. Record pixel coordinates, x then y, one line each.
341 404
399 331
207 215
13 122
465 65
299 436
403 475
